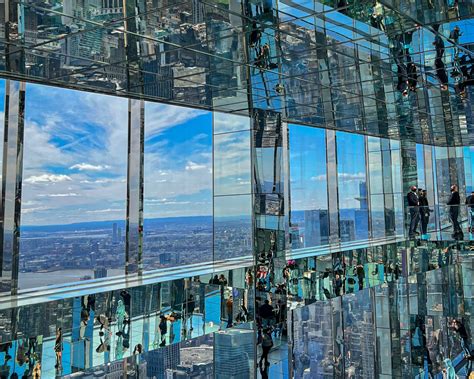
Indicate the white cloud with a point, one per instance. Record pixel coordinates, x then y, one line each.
89 167
191 166
48 178
160 117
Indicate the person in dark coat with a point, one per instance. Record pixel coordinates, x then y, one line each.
424 211
470 211
453 209
413 206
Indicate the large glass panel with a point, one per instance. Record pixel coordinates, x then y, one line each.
376 180
232 163
74 187
351 171
309 202
232 227
443 180
178 186
420 166
2 126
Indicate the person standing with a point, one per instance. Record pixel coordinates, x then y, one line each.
230 311
413 206
459 327
424 211
470 211
266 313
58 348
453 207
163 326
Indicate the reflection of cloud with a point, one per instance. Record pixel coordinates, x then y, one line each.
32 210
351 177
319 178
45 178
70 194
108 210
89 167
345 176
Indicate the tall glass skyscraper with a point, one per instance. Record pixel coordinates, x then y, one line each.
236 189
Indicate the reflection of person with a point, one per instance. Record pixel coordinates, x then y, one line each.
470 210
120 314
459 327
37 371
58 347
449 371
413 204
266 313
267 344
222 280
424 210
453 205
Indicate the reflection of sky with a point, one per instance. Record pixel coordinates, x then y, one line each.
308 168
350 168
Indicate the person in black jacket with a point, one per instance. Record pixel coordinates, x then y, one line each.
424 210
413 204
470 211
453 208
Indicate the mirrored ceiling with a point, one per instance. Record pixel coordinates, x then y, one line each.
402 69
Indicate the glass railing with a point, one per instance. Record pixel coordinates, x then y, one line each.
325 277
88 330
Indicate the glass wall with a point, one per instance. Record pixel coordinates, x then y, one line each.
309 200
232 187
74 187
352 183
370 199
377 193
395 155
178 186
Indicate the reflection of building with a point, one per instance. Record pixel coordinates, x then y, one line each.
316 227
347 230
114 233
158 361
100 272
363 195
233 353
196 362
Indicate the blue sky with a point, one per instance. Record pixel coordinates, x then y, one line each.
75 158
